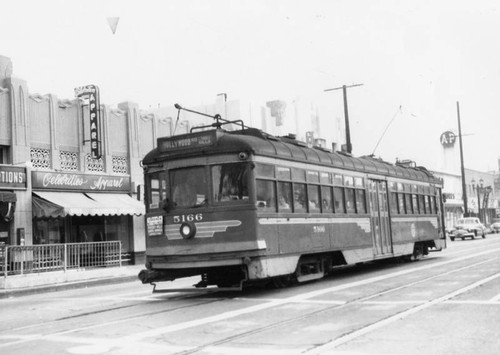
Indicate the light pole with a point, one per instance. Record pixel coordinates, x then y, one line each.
462 167
479 189
346 115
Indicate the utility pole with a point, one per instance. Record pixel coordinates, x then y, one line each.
346 114
464 190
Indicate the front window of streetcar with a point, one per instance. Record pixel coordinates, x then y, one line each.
188 187
230 182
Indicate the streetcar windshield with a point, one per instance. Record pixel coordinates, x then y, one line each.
230 182
188 187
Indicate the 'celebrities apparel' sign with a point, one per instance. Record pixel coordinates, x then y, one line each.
92 93
78 182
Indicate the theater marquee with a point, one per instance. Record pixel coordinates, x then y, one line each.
79 182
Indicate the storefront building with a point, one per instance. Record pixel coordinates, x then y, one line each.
12 179
53 188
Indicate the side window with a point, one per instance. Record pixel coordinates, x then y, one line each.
433 204
326 199
421 204
154 191
415 203
394 203
360 201
350 201
427 201
401 203
408 202
313 196
285 196
338 195
266 195
299 198
360 195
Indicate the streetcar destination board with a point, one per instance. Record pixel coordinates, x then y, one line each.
203 139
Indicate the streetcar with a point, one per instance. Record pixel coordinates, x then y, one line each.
241 206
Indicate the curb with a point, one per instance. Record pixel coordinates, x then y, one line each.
10 293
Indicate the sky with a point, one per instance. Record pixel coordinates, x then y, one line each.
415 58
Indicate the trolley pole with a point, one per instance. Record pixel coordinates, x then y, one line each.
464 190
346 114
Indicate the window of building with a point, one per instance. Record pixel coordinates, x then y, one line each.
4 154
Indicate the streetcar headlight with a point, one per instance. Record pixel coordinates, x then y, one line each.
187 230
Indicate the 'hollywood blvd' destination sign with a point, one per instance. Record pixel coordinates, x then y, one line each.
78 182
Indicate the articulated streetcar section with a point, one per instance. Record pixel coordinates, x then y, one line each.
240 207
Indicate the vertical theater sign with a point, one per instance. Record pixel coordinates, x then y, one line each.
91 92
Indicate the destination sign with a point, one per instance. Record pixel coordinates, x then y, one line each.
187 141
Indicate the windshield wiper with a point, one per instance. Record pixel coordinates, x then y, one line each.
201 204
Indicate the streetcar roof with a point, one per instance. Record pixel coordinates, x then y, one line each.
254 141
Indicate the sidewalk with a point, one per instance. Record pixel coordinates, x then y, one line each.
26 284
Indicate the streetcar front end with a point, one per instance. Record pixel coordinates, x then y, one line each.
200 216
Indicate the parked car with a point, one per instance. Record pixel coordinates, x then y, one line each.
469 227
495 226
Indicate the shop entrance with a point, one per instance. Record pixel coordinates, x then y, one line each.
82 229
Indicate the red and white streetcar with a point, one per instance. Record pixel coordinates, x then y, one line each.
242 206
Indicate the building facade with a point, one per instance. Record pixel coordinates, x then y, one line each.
52 190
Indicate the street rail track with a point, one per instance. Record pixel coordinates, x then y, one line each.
139 338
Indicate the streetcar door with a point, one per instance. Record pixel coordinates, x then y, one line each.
379 217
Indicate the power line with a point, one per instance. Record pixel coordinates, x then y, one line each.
386 128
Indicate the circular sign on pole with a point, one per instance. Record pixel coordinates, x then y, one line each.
448 139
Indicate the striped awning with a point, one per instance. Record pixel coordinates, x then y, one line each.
61 204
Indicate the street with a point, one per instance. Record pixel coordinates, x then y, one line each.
446 303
